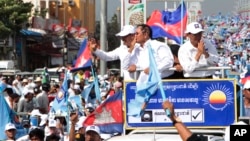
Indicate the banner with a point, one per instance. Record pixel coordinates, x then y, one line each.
198 103
134 12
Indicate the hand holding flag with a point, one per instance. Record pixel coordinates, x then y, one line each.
146 87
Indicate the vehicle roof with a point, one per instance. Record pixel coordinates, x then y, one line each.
167 134
165 131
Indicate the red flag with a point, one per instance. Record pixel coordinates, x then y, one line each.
108 116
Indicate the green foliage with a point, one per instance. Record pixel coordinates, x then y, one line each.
14 13
113 27
41 13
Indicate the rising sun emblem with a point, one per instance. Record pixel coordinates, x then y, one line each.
218 96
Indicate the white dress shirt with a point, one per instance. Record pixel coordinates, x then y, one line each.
163 57
186 56
122 54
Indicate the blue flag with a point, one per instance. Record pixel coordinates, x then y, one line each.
60 101
87 92
145 90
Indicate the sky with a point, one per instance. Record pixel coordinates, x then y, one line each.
209 7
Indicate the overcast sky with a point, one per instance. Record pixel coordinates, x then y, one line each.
209 7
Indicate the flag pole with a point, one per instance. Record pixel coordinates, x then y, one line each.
182 13
158 78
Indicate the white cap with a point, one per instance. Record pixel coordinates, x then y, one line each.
79 124
126 30
89 105
35 112
52 123
27 91
9 126
194 28
93 128
77 87
44 119
247 85
103 93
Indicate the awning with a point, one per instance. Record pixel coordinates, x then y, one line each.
26 32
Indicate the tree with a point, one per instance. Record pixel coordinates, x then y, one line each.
14 15
113 41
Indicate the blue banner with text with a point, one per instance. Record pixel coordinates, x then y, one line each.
198 103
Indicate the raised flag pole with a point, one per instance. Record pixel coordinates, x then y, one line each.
182 12
158 78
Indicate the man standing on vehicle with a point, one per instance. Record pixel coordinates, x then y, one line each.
123 52
197 53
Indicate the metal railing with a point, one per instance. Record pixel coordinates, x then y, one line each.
222 70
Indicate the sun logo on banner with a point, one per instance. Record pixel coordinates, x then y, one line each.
218 96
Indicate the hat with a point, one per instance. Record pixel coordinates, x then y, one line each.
9 126
35 112
44 119
247 85
38 79
103 93
30 78
77 87
126 30
93 128
27 91
15 82
194 28
25 81
52 123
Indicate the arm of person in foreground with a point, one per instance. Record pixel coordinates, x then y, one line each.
73 119
185 133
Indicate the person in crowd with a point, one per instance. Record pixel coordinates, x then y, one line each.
246 93
185 133
54 129
44 124
89 108
16 87
10 132
26 103
92 133
178 73
42 99
77 129
52 137
197 53
38 82
12 98
126 50
161 52
24 83
36 135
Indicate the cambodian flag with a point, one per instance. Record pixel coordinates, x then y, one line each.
108 116
168 24
83 57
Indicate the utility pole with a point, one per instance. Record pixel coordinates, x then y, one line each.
103 41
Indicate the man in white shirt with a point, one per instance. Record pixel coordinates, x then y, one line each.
123 52
163 56
197 53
